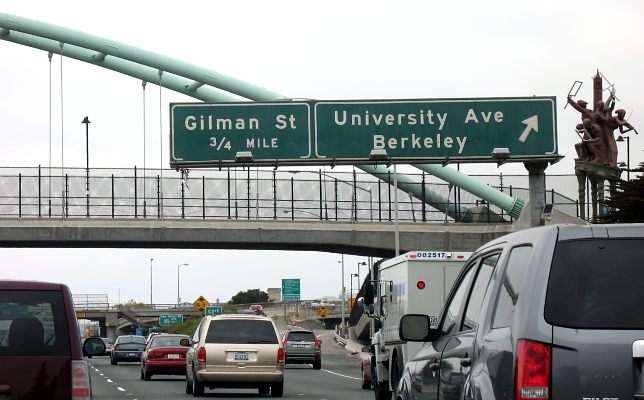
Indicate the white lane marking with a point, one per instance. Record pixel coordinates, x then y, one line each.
325 333
344 376
120 388
109 380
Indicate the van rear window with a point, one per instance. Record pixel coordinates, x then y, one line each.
241 331
33 323
597 284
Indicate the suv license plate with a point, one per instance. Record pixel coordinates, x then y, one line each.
173 356
241 356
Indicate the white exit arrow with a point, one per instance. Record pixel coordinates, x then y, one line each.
531 123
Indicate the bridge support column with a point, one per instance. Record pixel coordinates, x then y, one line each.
537 188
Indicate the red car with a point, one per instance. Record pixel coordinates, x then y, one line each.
366 356
164 355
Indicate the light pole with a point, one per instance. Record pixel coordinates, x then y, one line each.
342 297
179 297
351 301
151 259
358 275
628 154
86 122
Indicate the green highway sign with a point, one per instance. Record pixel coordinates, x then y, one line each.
361 131
426 130
213 310
207 134
170 319
290 289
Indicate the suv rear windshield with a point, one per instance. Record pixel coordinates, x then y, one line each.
33 322
300 337
241 331
597 284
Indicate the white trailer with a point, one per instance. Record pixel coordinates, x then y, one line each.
416 282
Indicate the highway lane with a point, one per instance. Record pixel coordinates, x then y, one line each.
339 378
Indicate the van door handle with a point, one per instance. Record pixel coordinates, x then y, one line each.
466 362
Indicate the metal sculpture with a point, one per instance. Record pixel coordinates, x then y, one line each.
596 159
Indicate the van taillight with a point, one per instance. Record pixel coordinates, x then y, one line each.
532 373
117 347
201 355
280 356
80 380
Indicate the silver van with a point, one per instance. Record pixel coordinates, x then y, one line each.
546 313
235 351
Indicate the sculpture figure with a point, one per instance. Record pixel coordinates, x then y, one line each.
598 145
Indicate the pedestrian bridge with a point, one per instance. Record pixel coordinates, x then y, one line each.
342 212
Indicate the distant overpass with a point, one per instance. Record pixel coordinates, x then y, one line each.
112 321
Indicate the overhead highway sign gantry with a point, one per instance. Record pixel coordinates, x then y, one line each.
364 131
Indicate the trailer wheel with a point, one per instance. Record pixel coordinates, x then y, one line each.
397 372
381 391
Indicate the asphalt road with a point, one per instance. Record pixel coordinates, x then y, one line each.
339 378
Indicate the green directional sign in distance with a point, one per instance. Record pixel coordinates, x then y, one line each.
213 310
214 134
290 289
426 130
170 319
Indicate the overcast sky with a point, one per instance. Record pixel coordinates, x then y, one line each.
301 49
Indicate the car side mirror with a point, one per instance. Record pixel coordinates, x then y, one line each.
184 342
93 346
415 328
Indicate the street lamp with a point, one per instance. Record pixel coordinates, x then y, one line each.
342 296
351 289
358 275
86 122
285 211
179 297
628 154
151 259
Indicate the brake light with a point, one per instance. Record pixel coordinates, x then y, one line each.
80 380
280 356
117 347
201 355
154 354
532 373
317 343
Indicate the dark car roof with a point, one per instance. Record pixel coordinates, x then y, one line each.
10 284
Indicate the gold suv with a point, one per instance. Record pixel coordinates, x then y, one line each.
235 351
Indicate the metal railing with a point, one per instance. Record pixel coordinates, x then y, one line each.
240 194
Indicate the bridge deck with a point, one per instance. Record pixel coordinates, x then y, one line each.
363 238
